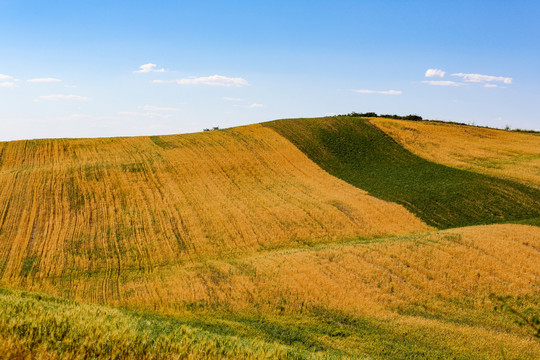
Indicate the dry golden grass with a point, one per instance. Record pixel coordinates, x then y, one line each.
108 206
241 222
510 155
370 278
438 283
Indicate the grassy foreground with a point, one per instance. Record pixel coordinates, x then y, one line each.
34 326
37 326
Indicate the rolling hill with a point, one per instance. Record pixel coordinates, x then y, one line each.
358 152
505 154
338 237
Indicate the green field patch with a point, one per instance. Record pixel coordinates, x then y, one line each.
533 221
74 194
354 150
133 168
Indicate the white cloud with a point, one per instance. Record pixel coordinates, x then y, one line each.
156 108
383 92
441 83
146 68
491 85
214 80
7 84
232 99
43 80
252 106
434 73
255 106
483 78
56 97
7 81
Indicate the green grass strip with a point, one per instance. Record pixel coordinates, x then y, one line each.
533 222
33 325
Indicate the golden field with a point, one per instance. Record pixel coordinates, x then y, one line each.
511 155
234 244
438 284
363 277
108 205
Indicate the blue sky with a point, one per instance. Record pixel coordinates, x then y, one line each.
114 68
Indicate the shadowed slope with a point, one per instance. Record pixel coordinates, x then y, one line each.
361 154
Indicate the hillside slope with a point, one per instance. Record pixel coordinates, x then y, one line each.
238 244
358 152
511 155
107 205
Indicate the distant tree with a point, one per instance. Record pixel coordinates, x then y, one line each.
368 114
412 117
373 114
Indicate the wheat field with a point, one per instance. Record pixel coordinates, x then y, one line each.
248 248
370 277
38 327
71 207
511 155
354 150
438 284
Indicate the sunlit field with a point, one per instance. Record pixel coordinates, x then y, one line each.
305 238
355 150
108 205
506 154
185 180
426 295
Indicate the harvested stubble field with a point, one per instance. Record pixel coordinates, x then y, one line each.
235 244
